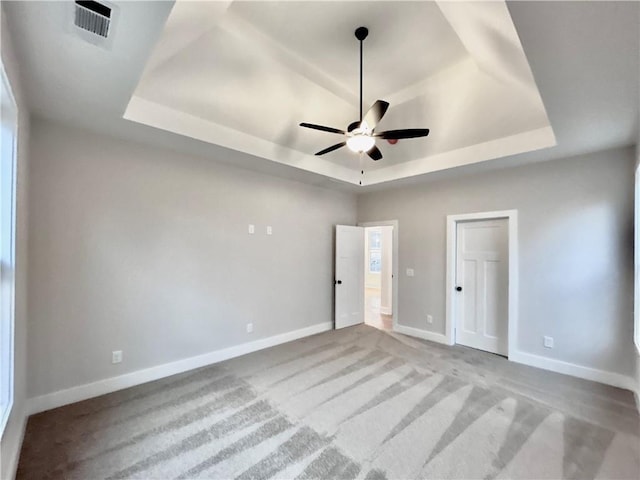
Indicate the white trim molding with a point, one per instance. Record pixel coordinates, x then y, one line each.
11 454
108 385
9 166
423 334
172 120
566 368
636 380
452 221
636 259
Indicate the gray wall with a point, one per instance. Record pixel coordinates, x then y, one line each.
12 436
146 251
575 242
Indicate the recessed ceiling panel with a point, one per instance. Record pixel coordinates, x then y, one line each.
408 41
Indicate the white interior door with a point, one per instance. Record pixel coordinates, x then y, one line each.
482 282
349 282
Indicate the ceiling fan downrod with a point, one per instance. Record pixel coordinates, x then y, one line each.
361 34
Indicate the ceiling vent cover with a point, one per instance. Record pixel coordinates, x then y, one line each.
93 17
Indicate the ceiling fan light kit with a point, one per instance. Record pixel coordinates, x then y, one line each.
361 135
360 143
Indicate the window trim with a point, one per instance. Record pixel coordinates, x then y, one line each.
636 262
6 86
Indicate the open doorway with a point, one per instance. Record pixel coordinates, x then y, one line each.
354 261
378 276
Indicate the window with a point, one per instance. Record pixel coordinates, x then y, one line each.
375 255
8 142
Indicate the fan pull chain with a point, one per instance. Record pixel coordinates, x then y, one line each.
361 167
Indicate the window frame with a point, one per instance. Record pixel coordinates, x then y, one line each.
9 330
636 262
372 250
379 252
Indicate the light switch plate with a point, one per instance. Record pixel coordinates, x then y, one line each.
269 230
410 272
252 229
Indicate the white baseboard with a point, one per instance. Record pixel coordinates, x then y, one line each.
637 378
386 311
424 334
11 455
108 385
559 366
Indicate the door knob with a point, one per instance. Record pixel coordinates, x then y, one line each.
458 289
338 282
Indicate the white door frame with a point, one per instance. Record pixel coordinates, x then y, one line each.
452 222
394 267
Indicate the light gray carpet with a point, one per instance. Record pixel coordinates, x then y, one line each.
358 403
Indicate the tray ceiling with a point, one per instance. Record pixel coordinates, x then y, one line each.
244 75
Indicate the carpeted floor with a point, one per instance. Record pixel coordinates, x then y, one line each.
357 403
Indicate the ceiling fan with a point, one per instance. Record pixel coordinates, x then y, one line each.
361 135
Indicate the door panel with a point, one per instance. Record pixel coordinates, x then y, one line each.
481 307
493 292
469 276
349 288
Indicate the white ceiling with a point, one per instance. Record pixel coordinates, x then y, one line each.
232 80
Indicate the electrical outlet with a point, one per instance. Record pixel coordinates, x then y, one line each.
252 229
548 342
269 230
429 319
249 327
410 272
116 356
